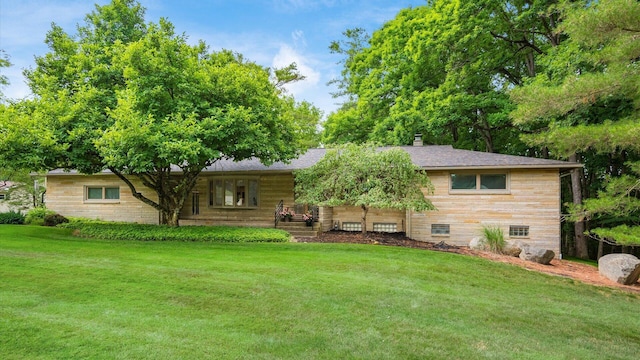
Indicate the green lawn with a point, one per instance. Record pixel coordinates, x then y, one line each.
69 298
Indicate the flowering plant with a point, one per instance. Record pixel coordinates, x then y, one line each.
286 213
307 216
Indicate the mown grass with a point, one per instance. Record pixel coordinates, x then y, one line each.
67 297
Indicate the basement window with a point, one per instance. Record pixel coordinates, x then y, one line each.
351 226
385 227
440 229
518 231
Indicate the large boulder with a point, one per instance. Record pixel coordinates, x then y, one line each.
621 268
536 254
478 243
513 247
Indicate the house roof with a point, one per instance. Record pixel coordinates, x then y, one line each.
432 157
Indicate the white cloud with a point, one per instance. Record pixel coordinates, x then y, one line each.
298 38
288 55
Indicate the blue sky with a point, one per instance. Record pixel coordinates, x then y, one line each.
269 32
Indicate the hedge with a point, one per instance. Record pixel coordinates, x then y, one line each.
12 217
144 232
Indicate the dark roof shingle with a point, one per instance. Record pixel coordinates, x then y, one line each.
432 157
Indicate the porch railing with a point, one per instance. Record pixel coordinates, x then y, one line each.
277 213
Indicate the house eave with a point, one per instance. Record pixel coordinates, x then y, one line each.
503 167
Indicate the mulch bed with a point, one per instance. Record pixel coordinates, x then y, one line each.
390 239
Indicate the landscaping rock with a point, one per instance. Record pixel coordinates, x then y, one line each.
536 254
621 268
478 244
513 248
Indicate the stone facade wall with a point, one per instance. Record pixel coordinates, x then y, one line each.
66 194
533 200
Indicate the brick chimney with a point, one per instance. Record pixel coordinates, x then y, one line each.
417 140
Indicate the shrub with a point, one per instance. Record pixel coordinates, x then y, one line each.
54 220
36 216
494 238
144 232
12 217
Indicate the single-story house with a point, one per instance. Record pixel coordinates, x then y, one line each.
472 189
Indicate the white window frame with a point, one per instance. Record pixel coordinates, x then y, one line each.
3 196
103 189
478 189
237 201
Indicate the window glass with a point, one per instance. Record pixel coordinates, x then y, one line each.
439 229
2 196
385 227
352 226
228 192
94 193
253 193
493 181
240 193
112 193
463 182
195 203
233 192
219 193
518 230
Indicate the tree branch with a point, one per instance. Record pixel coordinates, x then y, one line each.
134 192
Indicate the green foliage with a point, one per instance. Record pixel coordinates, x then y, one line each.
493 237
304 119
587 104
442 70
139 100
143 232
54 220
12 217
37 215
4 63
360 175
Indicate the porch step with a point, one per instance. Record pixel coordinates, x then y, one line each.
299 228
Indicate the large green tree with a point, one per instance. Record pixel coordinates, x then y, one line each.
138 100
441 70
360 175
587 104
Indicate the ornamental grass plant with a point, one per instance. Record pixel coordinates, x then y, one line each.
493 237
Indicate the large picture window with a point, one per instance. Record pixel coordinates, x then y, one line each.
102 193
488 182
234 192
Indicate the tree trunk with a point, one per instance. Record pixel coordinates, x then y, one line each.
363 220
582 251
172 192
600 249
171 217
